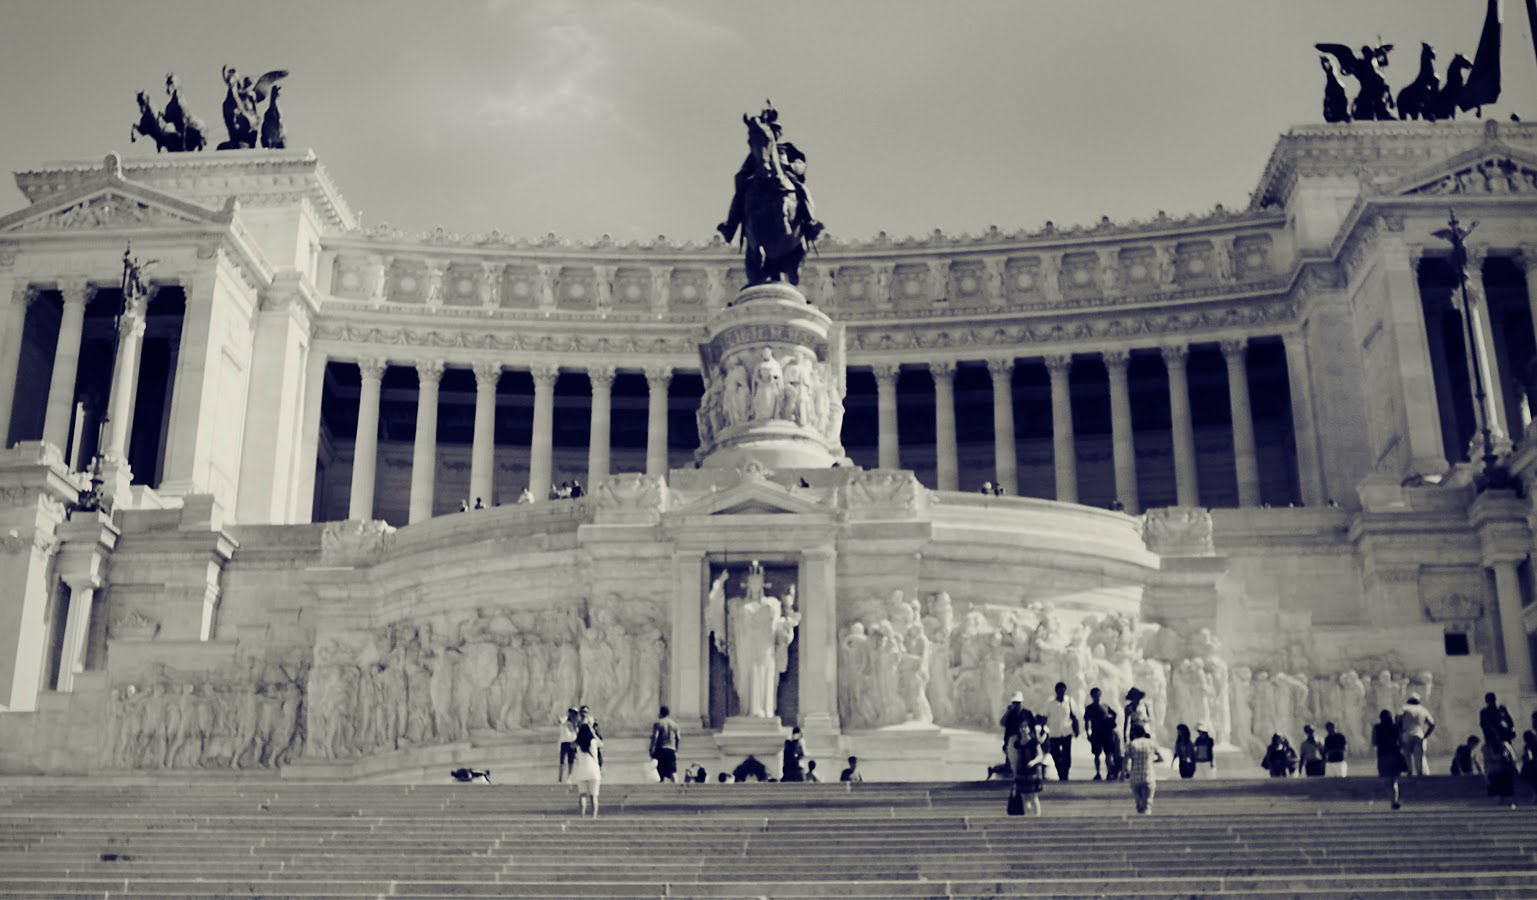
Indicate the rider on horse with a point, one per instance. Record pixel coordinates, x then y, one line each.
793 161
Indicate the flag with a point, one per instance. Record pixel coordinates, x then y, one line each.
1483 85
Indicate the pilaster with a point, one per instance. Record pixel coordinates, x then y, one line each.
947 471
275 407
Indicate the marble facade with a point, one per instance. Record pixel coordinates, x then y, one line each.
208 618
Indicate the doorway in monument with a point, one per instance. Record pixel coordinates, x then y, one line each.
777 577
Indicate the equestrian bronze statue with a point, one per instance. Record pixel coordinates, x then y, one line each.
771 205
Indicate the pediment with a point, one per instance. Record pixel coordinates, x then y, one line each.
1490 169
754 497
109 203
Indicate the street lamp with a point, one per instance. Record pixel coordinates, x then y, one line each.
1494 476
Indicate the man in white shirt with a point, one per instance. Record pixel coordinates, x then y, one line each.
1415 726
1062 725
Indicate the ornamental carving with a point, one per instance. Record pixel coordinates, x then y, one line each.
630 492
886 490
107 211
1455 609
355 542
40 542
759 386
1495 175
132 625
1178 531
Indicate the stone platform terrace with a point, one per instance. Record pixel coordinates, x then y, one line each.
1254 839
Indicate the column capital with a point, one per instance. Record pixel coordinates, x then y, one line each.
1414 253
372 367
1059 366
1116 360
886 372
544 375
942 369
430 372
1175 354
1000 369
1235 348
602 377
1526 258
75 290
22 294
658 376
487 374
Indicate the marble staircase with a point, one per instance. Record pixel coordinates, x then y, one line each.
265 838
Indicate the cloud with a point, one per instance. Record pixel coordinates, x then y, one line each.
561 75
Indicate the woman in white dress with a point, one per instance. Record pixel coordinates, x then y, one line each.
586 774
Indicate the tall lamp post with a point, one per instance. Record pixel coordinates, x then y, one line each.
1494 476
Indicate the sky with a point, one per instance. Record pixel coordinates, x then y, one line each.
623 117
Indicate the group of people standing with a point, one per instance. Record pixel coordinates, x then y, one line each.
1400 747
1030 739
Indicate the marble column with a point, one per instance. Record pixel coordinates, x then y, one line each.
1304 431
307 452
66 360
657 380
125 381
819 632
1526 258
541 447
483 440
1187 487
365 447
1064 443
947 468
599 430
1124 448
1006 461
1405 312
77 625
424 455
1245 461
13 321
890 451
1518 648
1488 361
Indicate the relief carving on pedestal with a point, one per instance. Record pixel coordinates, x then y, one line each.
355 543
1178 531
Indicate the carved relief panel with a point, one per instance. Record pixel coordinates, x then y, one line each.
1251 256
1024 278
1080 274
1195 262
407 282
461 285
520 287
578 288
349 277
632 289
689 290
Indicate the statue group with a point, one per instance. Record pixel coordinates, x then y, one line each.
771 205
1469 86
754 632
175 130
792 387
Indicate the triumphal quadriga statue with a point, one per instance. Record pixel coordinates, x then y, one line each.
281 493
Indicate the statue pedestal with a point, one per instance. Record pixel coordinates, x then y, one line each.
774 383
760 737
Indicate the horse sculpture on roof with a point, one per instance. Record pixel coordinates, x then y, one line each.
771 204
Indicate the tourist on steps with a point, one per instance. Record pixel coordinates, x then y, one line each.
811 771
1529 761
851 774
1030 777
568 727
1014 721
1390 753
1280 759
1137 714
1500 769
1062 723
1141 755
1335 751
586 773
1415 726
1494 720
664 746
794 752
1115 759
1465 760
1310 754
1205 751
1099 720
1184 751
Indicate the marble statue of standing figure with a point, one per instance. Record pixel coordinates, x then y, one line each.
757 621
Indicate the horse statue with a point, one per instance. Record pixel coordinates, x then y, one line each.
771 205
149 126
1444 104
1417 100
186 128
1375 99
273 137
241 110
1336 104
